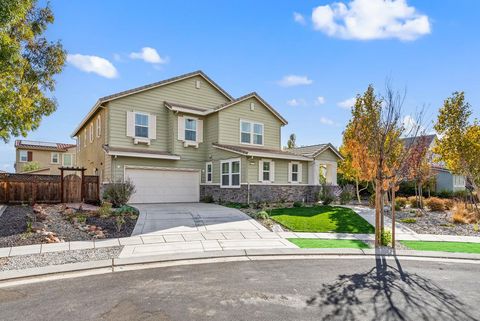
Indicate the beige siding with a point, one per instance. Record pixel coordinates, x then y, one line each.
328 155
219 155
93 156
281 171
229 123
152 102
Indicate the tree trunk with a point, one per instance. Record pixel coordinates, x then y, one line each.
358 190
393 217
378 201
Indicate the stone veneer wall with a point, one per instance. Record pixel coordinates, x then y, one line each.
261 193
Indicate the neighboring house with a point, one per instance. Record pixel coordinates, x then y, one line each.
444 179
49 156
185 138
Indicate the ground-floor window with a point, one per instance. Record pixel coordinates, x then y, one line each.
208 172
230 173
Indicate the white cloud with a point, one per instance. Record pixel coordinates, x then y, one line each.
347 103
149 55
294 80
371 19
95 64
299 18
296 102
326 121
320 100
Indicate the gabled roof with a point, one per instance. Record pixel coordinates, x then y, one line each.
426 139
315 150
261 152
29 144
187 109
147 87
260 99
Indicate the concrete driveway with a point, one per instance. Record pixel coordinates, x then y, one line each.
158 219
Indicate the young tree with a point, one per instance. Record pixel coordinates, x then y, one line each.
459 143
28 63
291 143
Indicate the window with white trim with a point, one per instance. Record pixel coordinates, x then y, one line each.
230 173
54 158
23 156
209 172
190 129
67 159
99 126
91 132
295 172
141 125
266 168
251 133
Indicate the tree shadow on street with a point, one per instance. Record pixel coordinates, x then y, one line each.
387 292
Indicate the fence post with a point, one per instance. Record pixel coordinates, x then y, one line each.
61 185
82 190
7 190
34 189
98 187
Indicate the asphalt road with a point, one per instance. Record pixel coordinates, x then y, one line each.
329 289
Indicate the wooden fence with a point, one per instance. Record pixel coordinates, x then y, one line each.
31 188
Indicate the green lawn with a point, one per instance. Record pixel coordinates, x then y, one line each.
321 219
462 247
331 244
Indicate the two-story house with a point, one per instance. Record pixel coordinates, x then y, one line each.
43 157
186 138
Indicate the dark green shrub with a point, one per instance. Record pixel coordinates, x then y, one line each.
127 210
297 204
445 194
119 193
327 195
346 195
208 199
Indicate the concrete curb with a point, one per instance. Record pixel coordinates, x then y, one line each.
2 209
123 264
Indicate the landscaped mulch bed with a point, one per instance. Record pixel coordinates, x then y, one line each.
435 223
13 226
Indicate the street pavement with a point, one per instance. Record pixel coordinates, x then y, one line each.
315 289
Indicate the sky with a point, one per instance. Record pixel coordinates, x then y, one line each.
308 59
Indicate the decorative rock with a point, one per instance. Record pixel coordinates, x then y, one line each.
69 211
37 227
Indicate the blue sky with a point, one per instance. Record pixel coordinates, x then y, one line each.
290 52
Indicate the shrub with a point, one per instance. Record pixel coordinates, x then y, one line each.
397 207
435 204
327 195
346 195
408 220
386 238
127 210
445 194
371 200
31 166
297 204
401 201
414 201
462 214
262 215
460 194
236 205
449 203
105 210
208 199
119 193
475 227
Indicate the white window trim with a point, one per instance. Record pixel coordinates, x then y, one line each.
271 171
252 132
20 156
187 141
85 138
140 138
72 158
230 161
90 133
298 172
211 173
58 158
99 126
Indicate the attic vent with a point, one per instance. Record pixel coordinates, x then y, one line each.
197 84
252 106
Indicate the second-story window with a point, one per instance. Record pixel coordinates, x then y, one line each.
85 138
191 129
99 126
251 133
23 156
91 133
55 159
67 160
141 125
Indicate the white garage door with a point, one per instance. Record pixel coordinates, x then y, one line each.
164 186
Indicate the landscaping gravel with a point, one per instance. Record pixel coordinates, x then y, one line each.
57 258
435 223
108 225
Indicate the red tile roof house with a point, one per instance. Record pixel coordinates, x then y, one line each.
185 138
48 156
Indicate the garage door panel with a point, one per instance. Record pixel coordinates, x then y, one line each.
164 186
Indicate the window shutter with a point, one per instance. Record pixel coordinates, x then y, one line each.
29 156
181 128
152 126
300 165
200 131
289 172
272 171
260 171
130 124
